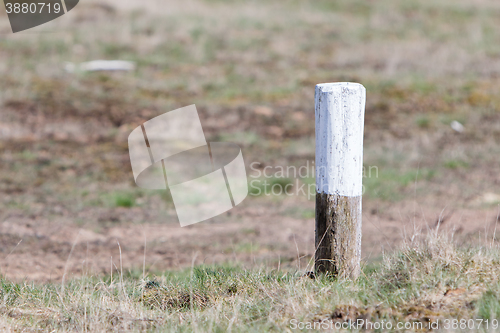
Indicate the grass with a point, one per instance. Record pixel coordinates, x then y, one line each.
124 200
186 59
456 164
390 184
271 186
251 68
425 281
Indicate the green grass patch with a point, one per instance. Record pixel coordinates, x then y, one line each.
488 305
392 185
456 164
271 186
301 212
120 199
423 121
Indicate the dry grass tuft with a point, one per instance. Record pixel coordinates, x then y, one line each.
165 299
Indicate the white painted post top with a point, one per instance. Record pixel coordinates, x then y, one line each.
339 113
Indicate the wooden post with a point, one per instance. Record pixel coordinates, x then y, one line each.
339 111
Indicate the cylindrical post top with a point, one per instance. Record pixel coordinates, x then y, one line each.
332 85
339 116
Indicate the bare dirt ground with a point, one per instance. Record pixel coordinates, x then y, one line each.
68 203
42 250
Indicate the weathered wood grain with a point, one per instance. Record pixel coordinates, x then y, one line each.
338 235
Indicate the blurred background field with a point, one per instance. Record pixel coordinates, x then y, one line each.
68 202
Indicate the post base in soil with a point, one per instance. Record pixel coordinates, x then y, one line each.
338 235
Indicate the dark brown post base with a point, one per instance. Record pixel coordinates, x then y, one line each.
338 235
